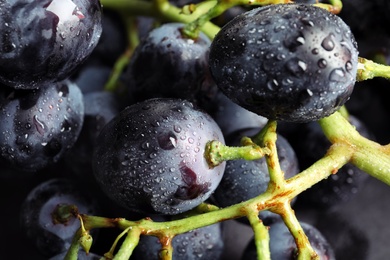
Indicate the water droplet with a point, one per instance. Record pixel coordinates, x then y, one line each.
272 84
177 128
296 66
279 28
167 141
322 63
337 75
39 125
315 51
306 21
292 43
328 43
348 66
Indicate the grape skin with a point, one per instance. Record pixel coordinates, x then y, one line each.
36 214
167 64
39 126
150 158
200 244
45 41
290 62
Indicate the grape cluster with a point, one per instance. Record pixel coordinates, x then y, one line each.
165 126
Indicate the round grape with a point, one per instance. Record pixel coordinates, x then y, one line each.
288 62
44 41
150 158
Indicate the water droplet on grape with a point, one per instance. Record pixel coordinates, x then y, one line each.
167 141
328 43
322 63
272 84
296 66
337 75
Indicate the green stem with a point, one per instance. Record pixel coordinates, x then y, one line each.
334 7
368 155
166 251
305 250
73 250
367 69
128 245
163 12
216 152
261 236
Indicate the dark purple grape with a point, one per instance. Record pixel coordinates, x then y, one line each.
92 77
200 244
39 126
283 247
348 239
44 41
38 221
289 62
244 180
337 188
113 40
150 158
231 117
100 108
166 64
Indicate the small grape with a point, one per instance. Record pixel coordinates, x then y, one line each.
167 64
288 62
150 158
39 126
200 244
37 219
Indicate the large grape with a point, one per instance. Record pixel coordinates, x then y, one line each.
150 158
44 41
290 62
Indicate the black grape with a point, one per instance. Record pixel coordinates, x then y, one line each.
288 62
36 216
150 158
200 244
167 64
45 41
39 126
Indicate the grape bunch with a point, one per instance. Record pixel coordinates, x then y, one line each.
165 129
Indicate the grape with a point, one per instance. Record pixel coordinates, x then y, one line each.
166 64
44 41
283 247
244 180
37 218
202 243
150 157
339 187
290 62
226 111
39 126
